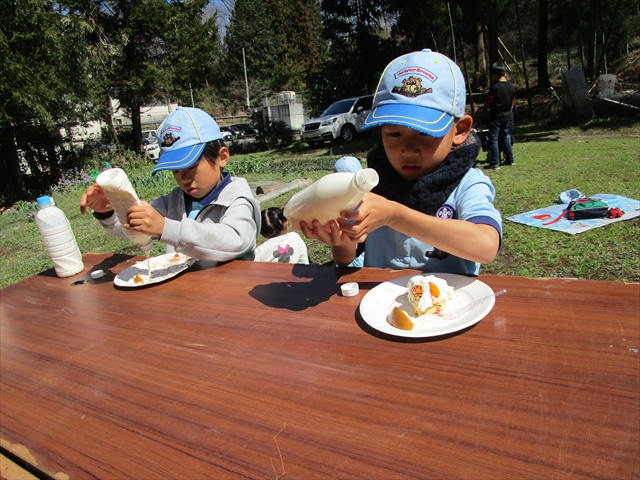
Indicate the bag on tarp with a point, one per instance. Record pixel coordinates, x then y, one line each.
583 208
587 208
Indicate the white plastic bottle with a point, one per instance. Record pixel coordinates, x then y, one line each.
326 198
121 195
59 239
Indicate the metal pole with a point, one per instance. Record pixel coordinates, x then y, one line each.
524 63
453 38
244 62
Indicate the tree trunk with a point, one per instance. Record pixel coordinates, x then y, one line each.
12 182
605 41
136 126
29 156
112 127
494 55
481 58
567 38
543 72
52 156
591 47
453 37
524 63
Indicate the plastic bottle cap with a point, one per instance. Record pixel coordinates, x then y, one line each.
366 179
42 201
349 289
97 274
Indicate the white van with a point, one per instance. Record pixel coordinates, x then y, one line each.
150 135
151 144
342 120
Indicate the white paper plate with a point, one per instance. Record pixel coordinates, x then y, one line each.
380 300
163 268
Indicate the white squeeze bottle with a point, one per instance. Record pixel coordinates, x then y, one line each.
326 198
121 195
59 239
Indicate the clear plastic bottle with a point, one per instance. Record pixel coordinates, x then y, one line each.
326 198
59 239
121 195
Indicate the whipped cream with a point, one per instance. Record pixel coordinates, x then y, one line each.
423 296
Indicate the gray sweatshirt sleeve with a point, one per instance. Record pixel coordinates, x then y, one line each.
218 234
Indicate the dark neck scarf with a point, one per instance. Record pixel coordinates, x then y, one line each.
428 193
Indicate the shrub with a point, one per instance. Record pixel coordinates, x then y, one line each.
276 134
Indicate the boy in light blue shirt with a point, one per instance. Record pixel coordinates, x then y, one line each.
432 210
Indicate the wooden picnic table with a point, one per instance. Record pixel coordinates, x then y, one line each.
262 370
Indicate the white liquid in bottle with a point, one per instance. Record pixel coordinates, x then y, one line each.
121 195
58 238
327 197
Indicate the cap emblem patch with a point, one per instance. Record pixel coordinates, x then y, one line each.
168 140
411 87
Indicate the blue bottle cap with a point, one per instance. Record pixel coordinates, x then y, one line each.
43 201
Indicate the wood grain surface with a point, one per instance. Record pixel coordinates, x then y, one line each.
262 370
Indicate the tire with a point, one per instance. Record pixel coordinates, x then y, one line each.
348 133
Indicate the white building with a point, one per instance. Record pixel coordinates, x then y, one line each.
287 107
150 117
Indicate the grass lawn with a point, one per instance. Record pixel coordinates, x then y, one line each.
601 157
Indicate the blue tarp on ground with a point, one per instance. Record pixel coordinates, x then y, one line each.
537 218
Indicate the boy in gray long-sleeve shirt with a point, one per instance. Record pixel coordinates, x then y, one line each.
209 216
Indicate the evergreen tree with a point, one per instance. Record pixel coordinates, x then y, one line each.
44 85
192 49
251 28
281 41
160 49
358 51
298 22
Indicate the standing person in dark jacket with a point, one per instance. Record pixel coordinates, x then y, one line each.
498 106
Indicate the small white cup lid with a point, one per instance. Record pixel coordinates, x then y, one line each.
97 274
349 289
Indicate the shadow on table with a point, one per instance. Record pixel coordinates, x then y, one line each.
295 296
105 265
298 296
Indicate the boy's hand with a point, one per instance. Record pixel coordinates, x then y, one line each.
95 199
145 219
343 248
331 233
374 212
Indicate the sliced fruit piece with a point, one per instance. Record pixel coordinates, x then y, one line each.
399 319
434 290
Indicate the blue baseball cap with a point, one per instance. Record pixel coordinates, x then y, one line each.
569 195
183 136
422 90
347 164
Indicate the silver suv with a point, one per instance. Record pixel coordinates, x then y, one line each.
342 120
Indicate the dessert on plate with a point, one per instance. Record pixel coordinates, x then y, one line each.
426 295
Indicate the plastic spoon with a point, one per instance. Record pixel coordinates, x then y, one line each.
458 313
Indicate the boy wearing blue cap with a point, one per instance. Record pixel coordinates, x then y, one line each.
431 210
209 216
347 164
